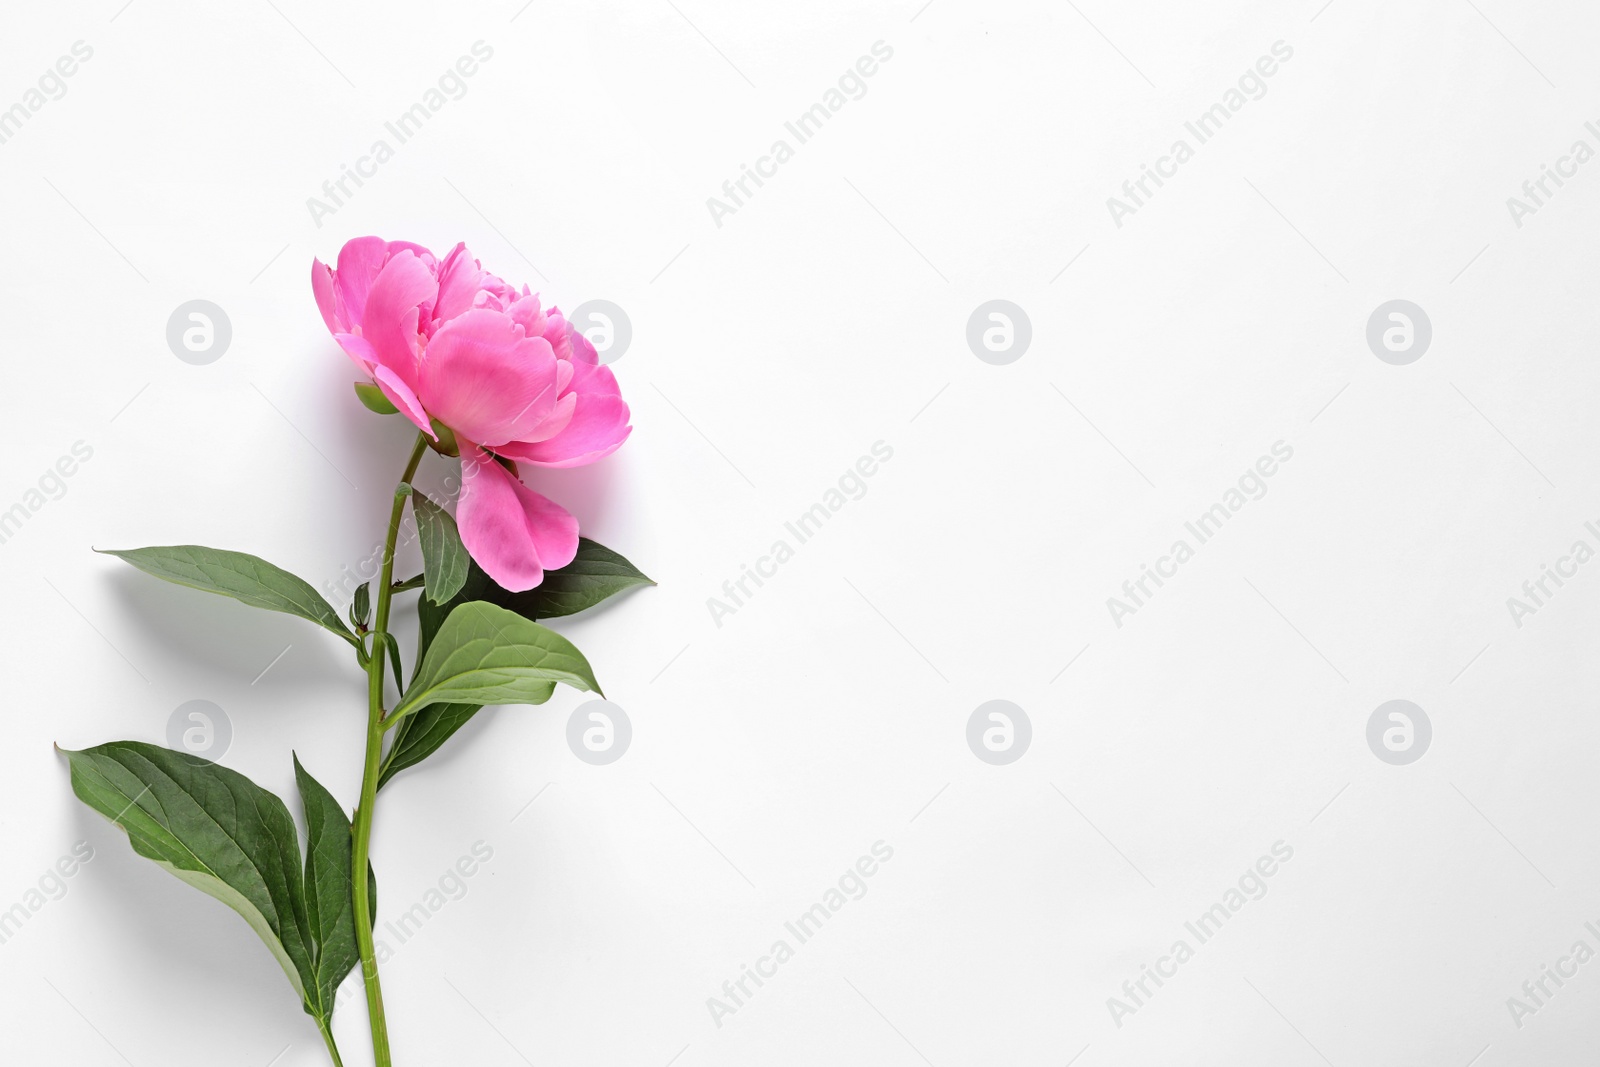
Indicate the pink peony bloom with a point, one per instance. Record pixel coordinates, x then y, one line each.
448 341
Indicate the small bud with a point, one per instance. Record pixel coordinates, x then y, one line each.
446 443
373 398
361 607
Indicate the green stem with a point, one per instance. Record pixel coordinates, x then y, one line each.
327 1037
369 776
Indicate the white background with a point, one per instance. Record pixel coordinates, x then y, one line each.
829 712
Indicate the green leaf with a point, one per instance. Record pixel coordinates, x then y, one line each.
420 734
226 836
394 660
330 907
444 557
244 577
374 399
595 574
431 616
484 654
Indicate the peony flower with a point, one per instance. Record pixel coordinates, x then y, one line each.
449 343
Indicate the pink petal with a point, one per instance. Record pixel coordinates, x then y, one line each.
401 396
388 382
359 262
599 424
568 342
359 351
485 380
396 247
514 533
525 310
458 284
582 350
559 419
559 333
389 322
322 287
501 294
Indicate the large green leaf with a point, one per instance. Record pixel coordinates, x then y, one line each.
213 828
244 577
226 836
444 557
420 734
330 907
595 574
484 654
